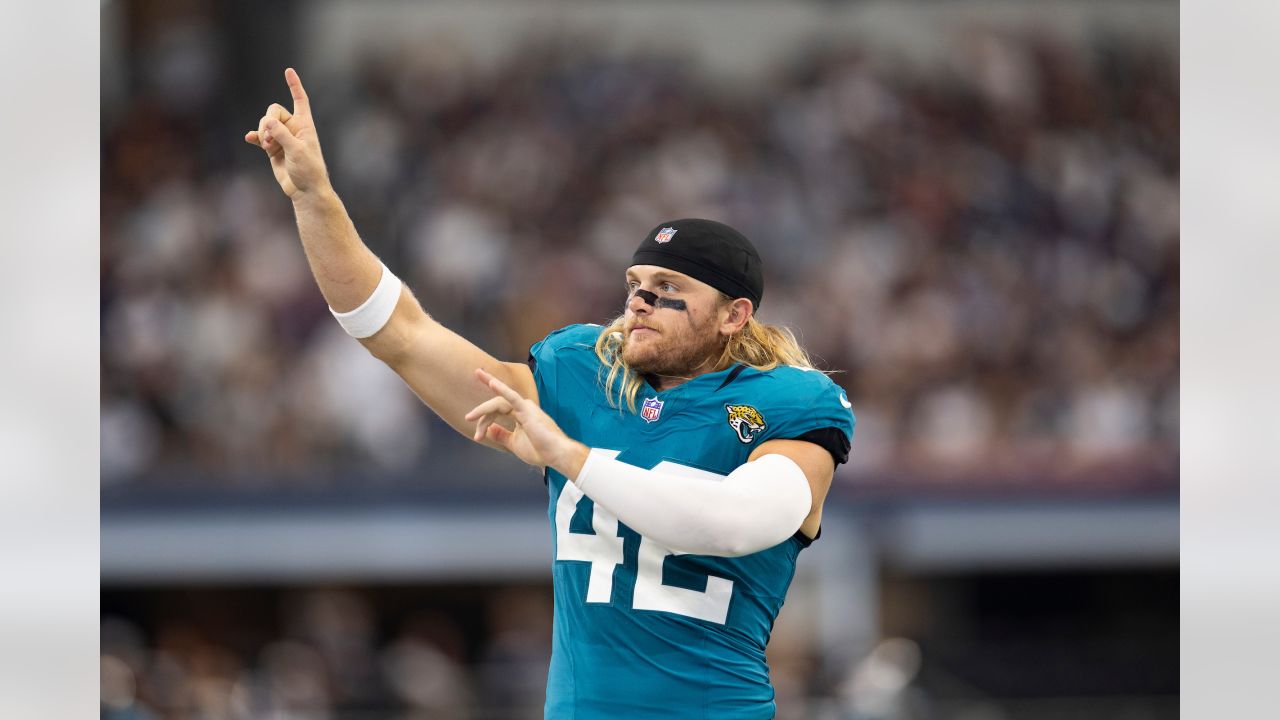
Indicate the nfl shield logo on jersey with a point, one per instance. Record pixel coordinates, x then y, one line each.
651 409
664 235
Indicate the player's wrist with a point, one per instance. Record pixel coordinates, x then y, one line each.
572 460
314 197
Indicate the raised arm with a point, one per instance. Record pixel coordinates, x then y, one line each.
435 362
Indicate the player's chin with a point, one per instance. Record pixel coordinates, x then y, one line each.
640 339
640 356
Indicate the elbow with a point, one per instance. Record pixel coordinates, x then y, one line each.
738 548
756 529
740 535
750 544
775 500
394 343
742 546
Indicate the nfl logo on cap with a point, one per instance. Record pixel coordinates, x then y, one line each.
664 236
652 407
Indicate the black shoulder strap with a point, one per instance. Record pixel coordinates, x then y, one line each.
805 540
830 439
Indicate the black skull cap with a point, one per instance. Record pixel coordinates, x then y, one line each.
709 251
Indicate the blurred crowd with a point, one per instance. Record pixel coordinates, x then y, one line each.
325 655
430 652
984 248
403 654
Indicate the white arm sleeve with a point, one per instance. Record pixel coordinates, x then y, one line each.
757 506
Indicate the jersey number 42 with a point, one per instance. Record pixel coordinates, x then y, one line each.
604 551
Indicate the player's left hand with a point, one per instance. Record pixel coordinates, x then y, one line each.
536 439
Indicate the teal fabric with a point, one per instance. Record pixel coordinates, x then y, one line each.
641 632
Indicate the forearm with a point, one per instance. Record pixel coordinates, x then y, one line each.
344 268
757 506
434 362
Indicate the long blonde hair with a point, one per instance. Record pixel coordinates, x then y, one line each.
757 345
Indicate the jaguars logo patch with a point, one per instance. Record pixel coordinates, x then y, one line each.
746 421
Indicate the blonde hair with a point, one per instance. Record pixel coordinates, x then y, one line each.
757 345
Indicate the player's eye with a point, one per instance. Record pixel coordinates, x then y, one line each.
667 288
631 286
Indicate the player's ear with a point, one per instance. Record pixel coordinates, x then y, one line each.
740 311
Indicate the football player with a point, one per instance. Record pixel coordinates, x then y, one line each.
687 447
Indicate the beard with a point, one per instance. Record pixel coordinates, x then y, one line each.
677 350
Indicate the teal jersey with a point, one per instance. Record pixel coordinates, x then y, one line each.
641 631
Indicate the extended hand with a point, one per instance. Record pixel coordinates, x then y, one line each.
536 439
290 140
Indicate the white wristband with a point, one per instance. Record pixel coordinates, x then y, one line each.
375 311
757 506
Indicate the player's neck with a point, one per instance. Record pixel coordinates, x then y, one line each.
662 383
665 382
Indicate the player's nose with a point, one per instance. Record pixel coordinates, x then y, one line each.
638 305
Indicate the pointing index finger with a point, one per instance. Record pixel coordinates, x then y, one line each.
301 105
501 388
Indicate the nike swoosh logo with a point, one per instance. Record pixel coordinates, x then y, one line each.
845 401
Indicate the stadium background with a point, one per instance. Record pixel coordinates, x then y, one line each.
969 208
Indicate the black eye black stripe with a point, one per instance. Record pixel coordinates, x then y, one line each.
653 300
648 297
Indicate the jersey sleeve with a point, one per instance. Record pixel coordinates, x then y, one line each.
559 362
813 408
